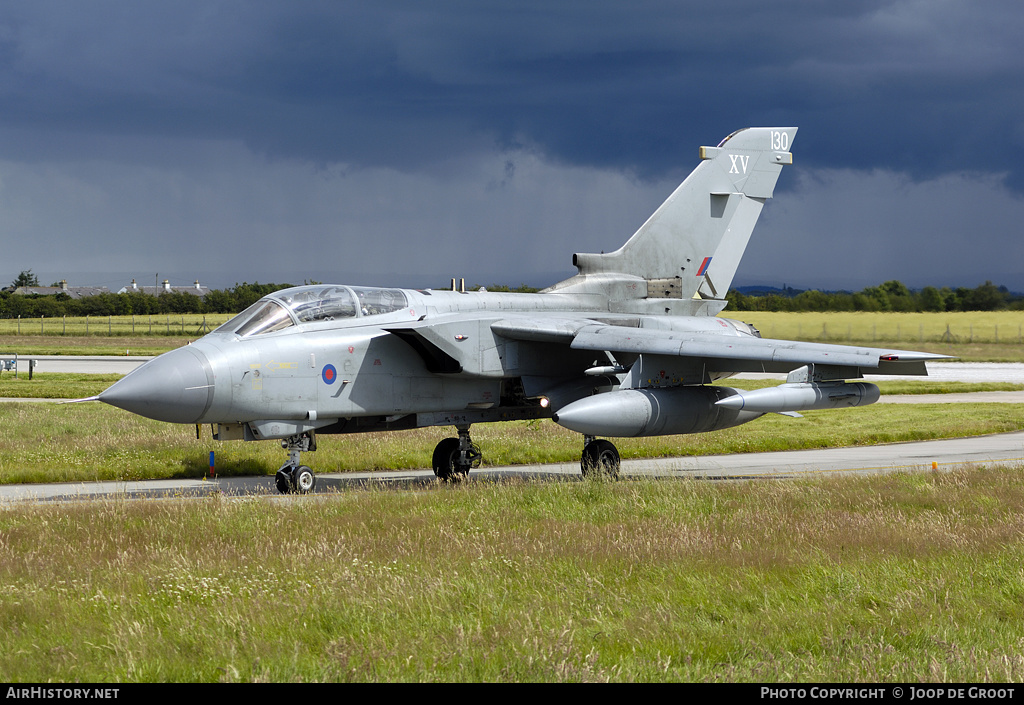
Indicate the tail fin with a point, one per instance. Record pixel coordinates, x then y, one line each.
692 245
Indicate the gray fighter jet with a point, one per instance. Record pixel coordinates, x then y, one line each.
627 347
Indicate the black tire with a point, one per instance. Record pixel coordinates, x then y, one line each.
303 479
283 481
446 459
600 458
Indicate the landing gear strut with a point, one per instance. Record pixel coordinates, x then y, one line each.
293 476
600 458
454 457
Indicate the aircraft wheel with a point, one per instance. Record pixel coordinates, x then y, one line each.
284 480
446 460
600 458
304 479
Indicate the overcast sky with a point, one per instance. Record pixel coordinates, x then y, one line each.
405 143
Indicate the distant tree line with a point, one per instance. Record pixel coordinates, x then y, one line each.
890 296
231 300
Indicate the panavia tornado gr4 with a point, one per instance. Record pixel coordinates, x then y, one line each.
629 346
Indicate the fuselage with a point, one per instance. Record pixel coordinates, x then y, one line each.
305 357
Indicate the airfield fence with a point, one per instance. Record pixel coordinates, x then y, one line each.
114 326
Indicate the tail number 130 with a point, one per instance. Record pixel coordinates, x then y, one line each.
780 140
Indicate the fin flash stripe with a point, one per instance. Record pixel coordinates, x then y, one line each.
703 266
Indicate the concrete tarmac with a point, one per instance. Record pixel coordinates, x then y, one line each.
1006 448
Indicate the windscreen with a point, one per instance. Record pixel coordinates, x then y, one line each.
268 317
310 304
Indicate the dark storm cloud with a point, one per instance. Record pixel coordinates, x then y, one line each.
139 137
915 86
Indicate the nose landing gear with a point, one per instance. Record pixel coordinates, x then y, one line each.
293 476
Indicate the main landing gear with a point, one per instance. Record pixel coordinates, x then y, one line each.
455 457
293 476
600 458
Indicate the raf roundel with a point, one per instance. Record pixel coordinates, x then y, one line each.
329 374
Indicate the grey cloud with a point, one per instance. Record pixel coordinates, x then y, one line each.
926 85
128 125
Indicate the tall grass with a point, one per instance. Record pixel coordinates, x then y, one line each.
898 577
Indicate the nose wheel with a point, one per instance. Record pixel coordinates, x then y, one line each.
299 479
293 476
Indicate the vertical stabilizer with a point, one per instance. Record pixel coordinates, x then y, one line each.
692 245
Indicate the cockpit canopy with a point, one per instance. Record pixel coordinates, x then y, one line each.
308 304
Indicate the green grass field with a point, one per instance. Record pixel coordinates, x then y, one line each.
895 578
28 345
968 335
1005 327
174 324
892 578
992 336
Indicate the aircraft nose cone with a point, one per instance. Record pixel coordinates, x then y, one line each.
176 387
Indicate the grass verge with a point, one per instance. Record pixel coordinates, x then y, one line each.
83 442
892 578
29 345
54 385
